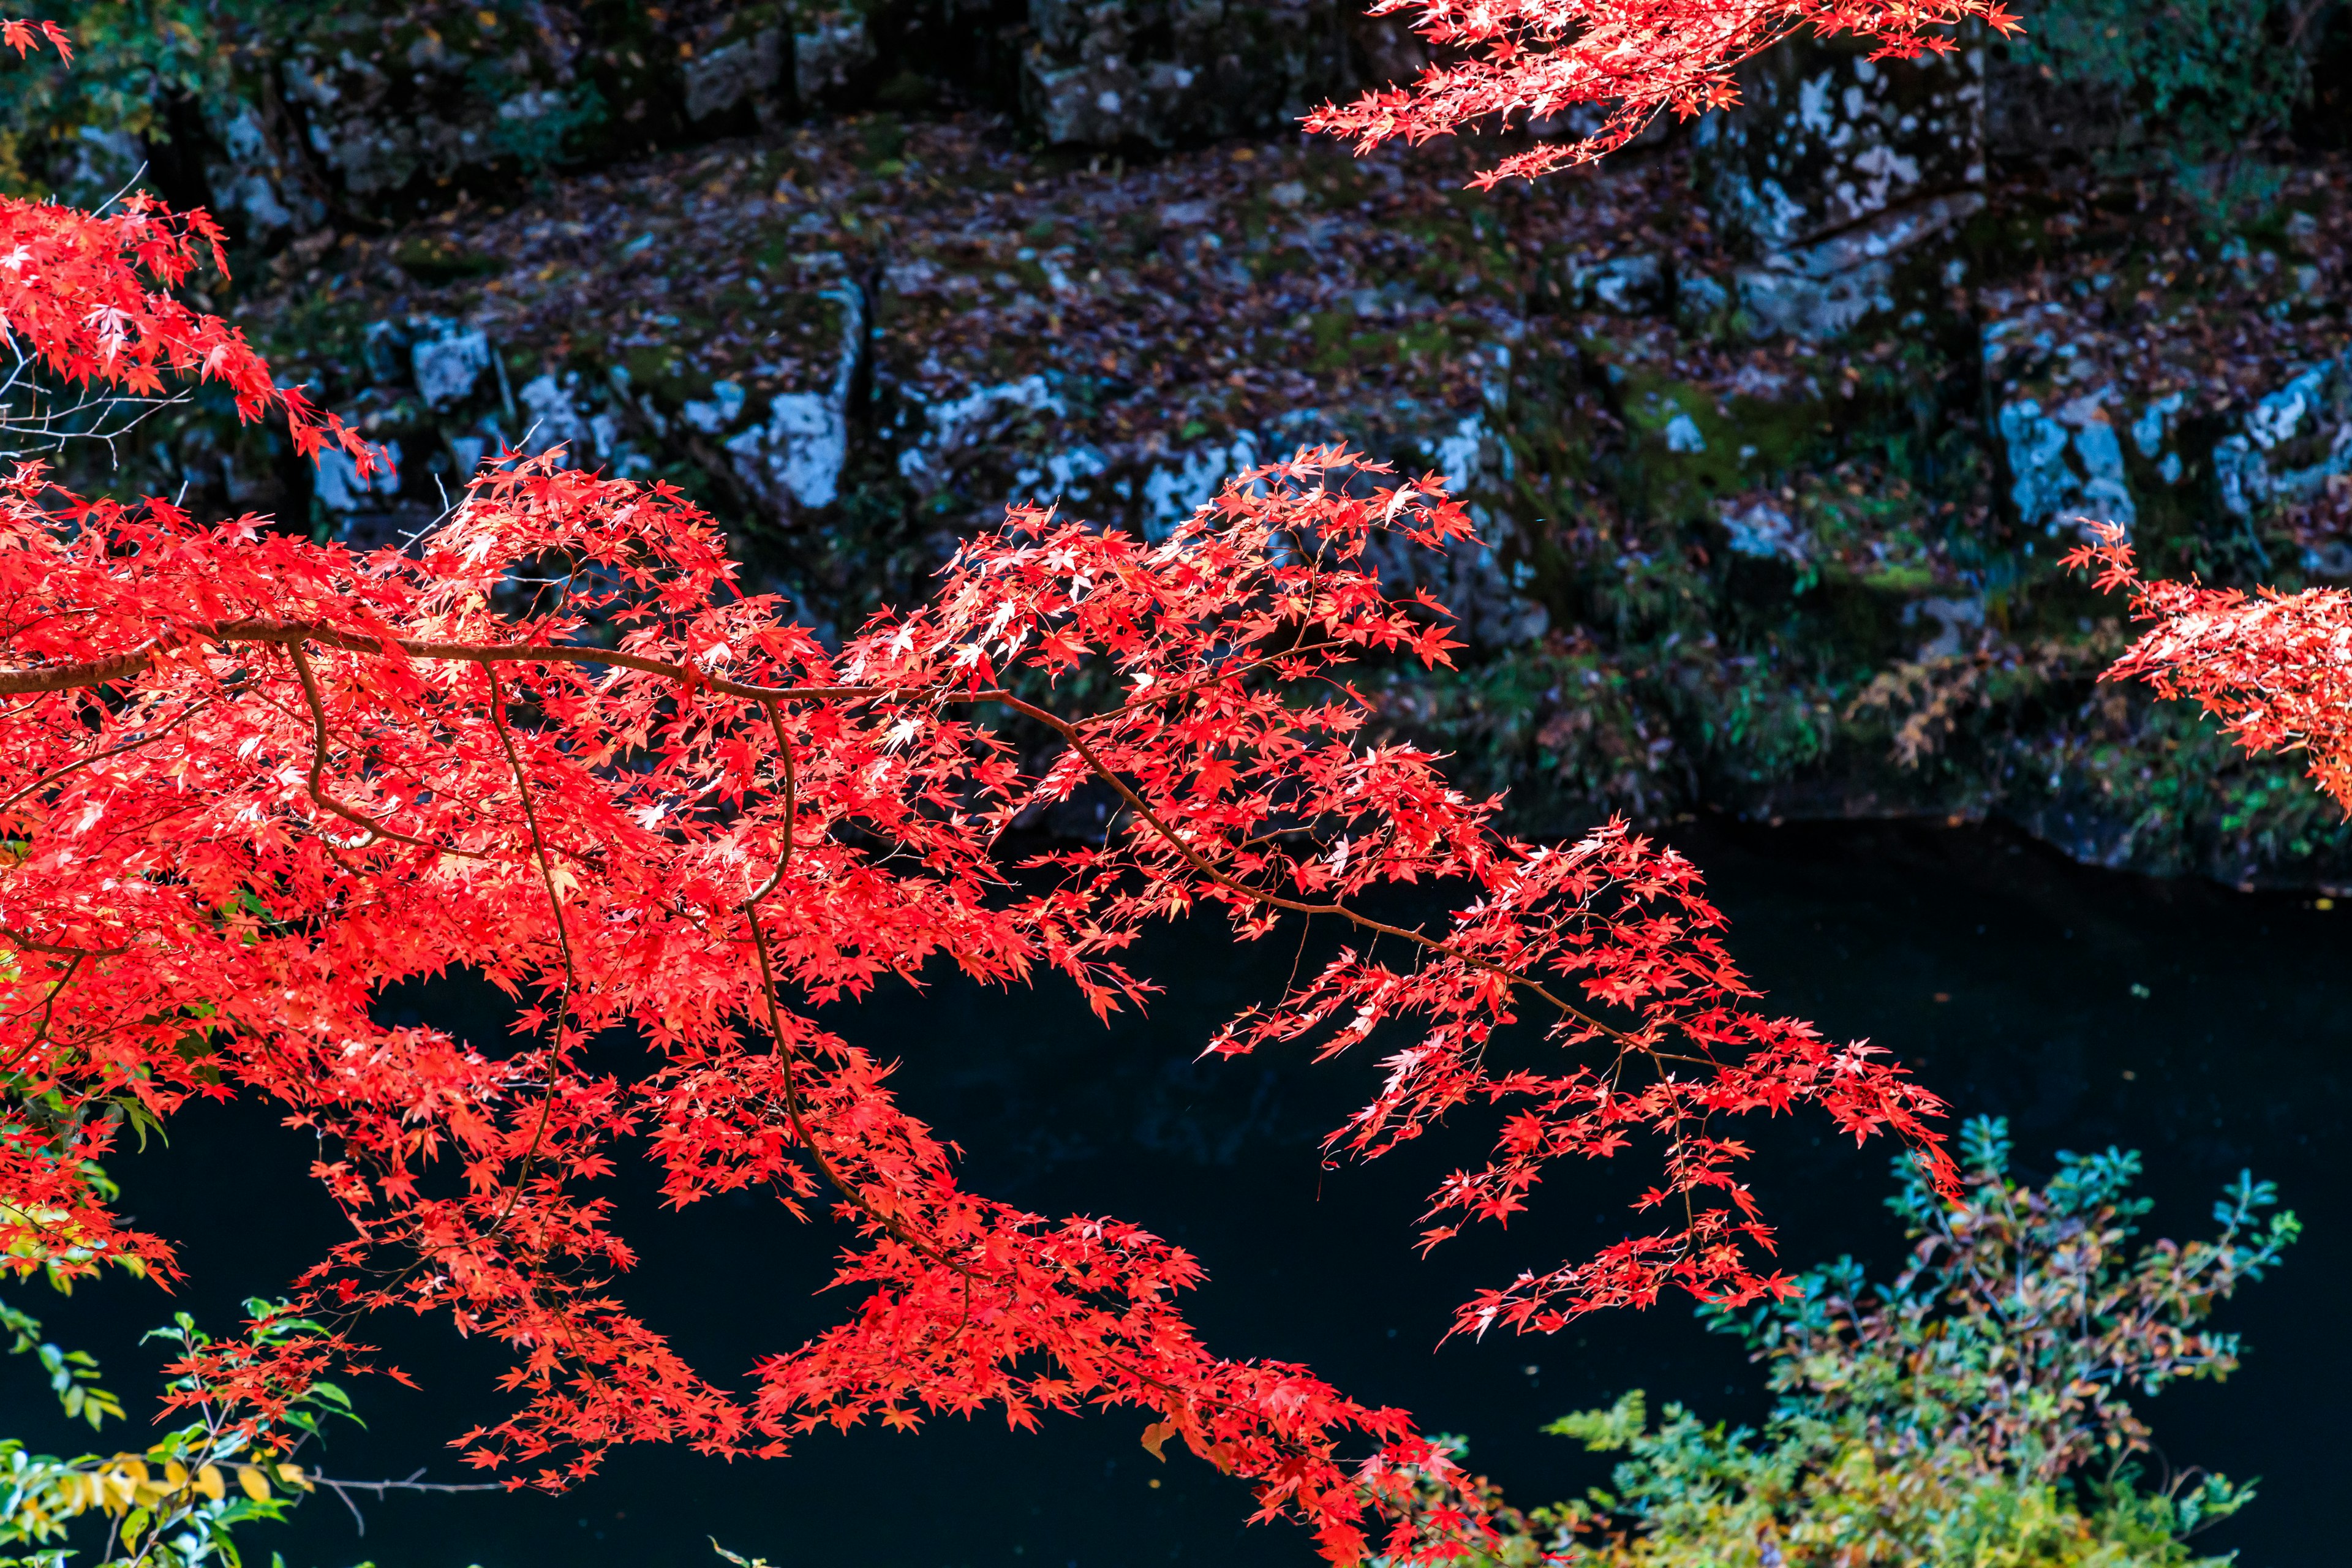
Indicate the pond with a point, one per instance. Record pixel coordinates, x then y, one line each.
2208 1027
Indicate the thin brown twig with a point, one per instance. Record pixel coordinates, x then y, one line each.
751 908
112 667
563 936
342 1489
1185 852
320 738
51 777
52 950
48 1011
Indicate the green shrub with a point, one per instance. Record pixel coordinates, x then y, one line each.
2200 83
177 1502
1975 1412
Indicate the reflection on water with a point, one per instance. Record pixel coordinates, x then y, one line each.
2208 1027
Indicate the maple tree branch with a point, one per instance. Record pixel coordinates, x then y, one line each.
800 1127
71 677
562 939
784 859
343 1489
320 738
1142 808
48 1011
49 778
45 1229
51 950
751 908
127 665
783 1049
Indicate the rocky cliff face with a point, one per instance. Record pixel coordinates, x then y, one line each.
282 118
1774 432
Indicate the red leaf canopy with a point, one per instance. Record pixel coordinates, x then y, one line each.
253 780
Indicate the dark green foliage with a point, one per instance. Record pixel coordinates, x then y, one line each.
2202 85
1977 1410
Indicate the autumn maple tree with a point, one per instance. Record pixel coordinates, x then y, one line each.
252 781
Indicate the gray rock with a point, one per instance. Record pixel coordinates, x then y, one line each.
2152 434
1170 71
795 460
98 164
748 68
1631 284
1821 289
449 365
1825 139
1832 166
1957 624
716 413
2292 443
250 185
340 488
2067 464
952 427
550 416
829 54
382 347
1759 527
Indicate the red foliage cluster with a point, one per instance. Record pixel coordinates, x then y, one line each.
24 35
2275 669
88 299
1505 65
255 780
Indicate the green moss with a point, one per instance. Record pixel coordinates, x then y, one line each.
432 259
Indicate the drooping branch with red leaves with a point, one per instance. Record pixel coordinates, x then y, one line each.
94 336
263 779
256 780
2275 669
1504 66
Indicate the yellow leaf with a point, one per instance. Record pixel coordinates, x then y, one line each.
175 1474
250 1480
135 1468
209 1482
292 1476
1156 1433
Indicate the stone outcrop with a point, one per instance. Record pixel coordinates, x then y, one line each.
1834 166
1772 435
371 111
1167 72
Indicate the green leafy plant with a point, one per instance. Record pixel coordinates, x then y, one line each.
1976 1411
137 57
2202 82
177 1502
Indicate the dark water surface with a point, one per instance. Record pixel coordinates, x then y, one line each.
2235 1056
